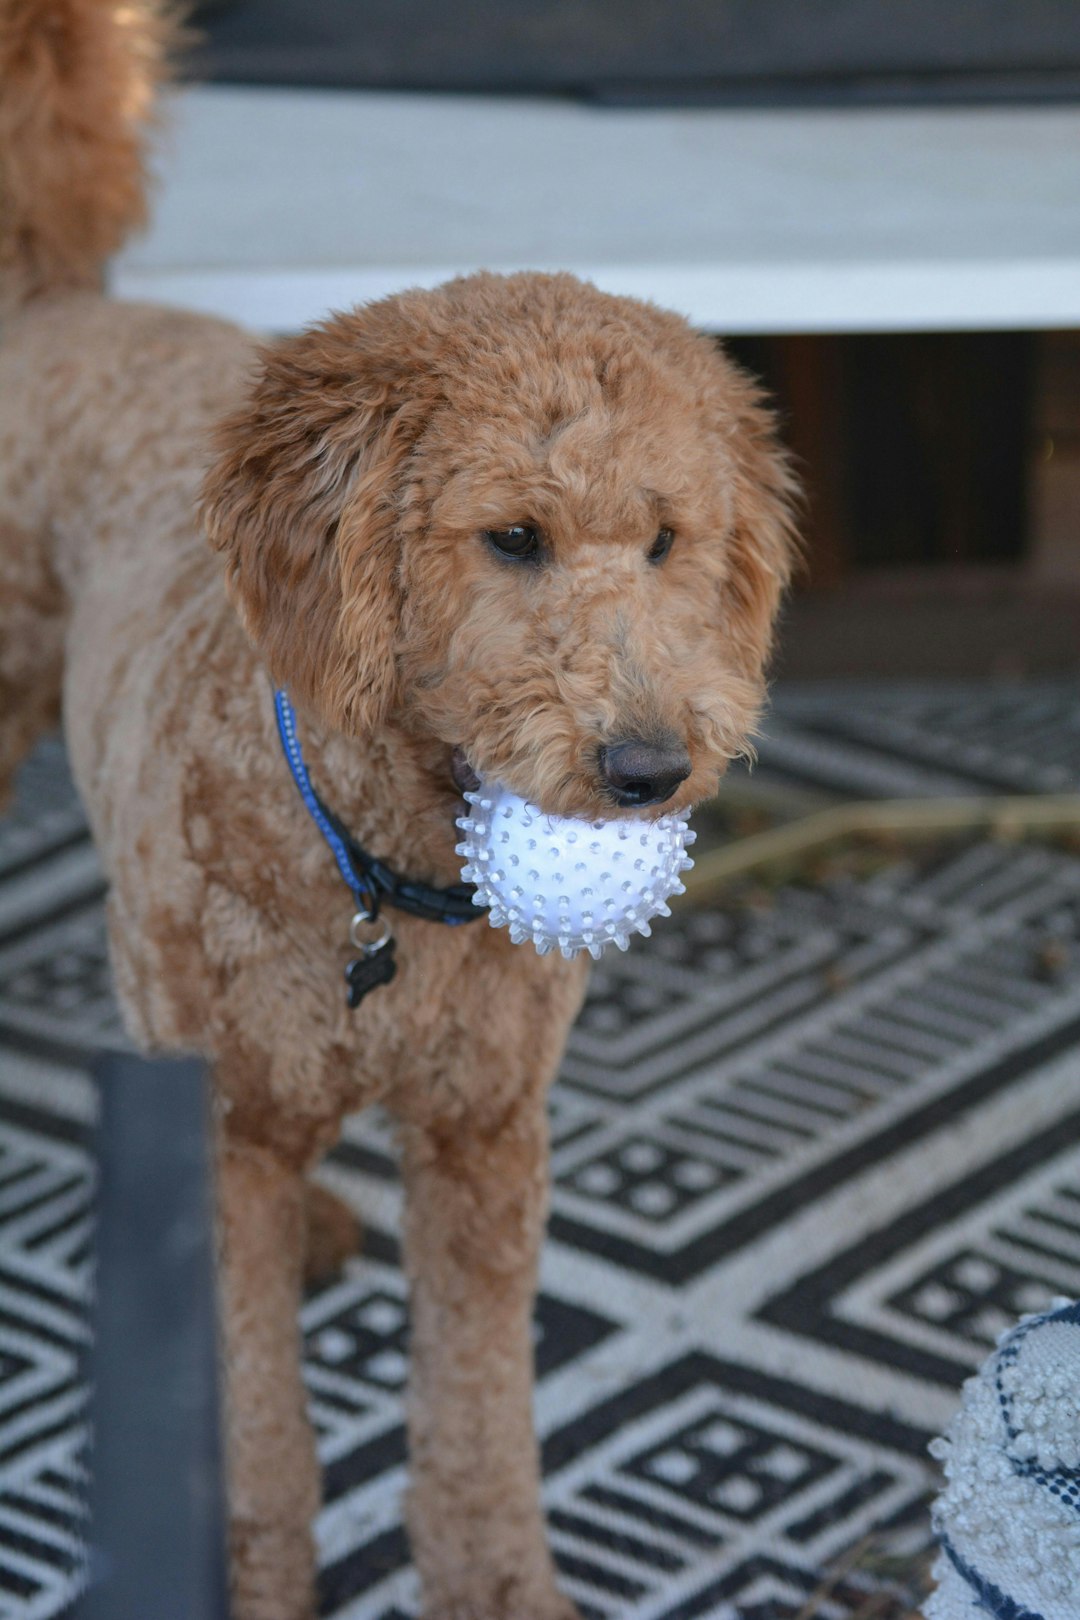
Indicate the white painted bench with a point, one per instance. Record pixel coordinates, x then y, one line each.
276 205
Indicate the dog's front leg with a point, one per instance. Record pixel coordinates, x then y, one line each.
272 1475
476 1200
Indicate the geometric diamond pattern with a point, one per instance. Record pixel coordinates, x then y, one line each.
812 1148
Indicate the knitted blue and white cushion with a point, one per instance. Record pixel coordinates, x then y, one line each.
1008 1520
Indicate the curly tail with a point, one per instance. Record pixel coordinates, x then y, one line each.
77 95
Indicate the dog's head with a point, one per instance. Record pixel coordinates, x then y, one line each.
546 526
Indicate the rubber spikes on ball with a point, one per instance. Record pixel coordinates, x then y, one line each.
567 884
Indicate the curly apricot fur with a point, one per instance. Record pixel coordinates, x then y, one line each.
353 489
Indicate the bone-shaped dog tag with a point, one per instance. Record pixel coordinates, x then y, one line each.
366 973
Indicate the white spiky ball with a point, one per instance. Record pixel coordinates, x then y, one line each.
569 884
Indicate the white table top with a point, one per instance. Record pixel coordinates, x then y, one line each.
276 205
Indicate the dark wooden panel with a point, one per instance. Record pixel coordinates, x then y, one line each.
914 449
725 50
937 429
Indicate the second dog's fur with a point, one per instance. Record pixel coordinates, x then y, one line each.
350 479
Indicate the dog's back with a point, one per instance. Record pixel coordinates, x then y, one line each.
102 406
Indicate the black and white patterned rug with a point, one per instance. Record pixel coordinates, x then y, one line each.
814 1148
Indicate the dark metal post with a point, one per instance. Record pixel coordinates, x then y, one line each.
158 1502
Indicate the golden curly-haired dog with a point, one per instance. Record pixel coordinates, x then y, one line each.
512 525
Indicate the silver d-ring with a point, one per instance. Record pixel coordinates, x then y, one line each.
368 947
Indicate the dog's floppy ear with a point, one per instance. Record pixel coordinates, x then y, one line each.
303 501
764 541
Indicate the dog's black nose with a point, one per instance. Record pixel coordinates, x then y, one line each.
638 773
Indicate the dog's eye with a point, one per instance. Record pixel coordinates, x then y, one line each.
522 542
661 546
